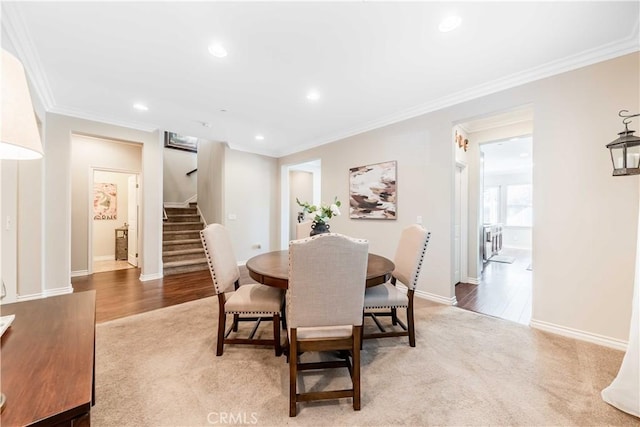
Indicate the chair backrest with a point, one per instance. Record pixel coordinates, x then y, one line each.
303 229
327 275
219 253
409 255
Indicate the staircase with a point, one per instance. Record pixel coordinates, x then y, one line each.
182 250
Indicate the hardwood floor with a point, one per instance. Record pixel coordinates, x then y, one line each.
504 290
120 293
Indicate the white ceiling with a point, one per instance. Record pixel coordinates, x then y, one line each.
372 62
509 156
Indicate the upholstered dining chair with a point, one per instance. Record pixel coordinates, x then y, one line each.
327 275
378 299
250 302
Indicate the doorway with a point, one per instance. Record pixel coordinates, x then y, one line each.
301 180
114 226
503 218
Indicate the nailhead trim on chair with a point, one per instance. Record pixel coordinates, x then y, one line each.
209 261
387 306
253 312
414 279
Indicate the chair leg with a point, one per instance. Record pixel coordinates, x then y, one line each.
284 318
394 316
276 335
222 318
235 322
293 372
362 332
410 326
355 378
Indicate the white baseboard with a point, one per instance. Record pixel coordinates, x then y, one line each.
104 258
147 277
29 297
46 293
436 298
472 280
192 199
579 335
79 273
58 291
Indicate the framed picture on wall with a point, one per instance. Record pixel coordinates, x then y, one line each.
181 142
105 200
372 191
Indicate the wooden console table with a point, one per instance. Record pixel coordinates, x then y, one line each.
48 361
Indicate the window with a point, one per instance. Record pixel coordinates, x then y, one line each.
519 205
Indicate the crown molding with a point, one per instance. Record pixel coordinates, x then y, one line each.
16 31
602 53
144 127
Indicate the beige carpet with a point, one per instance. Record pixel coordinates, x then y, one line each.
160 369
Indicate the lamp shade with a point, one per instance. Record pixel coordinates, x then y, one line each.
19 137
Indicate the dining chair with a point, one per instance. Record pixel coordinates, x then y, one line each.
249 302
378 299
325 299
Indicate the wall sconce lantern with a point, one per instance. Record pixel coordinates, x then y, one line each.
625 150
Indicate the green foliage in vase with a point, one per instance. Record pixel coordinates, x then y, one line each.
322 213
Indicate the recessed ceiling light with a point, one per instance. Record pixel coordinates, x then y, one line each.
449 23
260 137
313 95
217 50
140 107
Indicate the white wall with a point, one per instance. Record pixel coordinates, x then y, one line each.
585 219
177 186
251 195
211 180
9 242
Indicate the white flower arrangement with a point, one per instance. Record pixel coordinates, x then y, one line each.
322 213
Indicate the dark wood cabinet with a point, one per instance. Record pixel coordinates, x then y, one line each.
122 243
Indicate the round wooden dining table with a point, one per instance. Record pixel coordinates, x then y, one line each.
272 269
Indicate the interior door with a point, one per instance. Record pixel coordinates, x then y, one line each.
132 219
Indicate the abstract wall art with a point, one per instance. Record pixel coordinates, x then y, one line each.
372 191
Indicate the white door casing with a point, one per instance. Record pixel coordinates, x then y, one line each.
132 219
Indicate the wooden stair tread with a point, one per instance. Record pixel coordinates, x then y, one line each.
183 252
181 242
184 223
185 262
174 232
